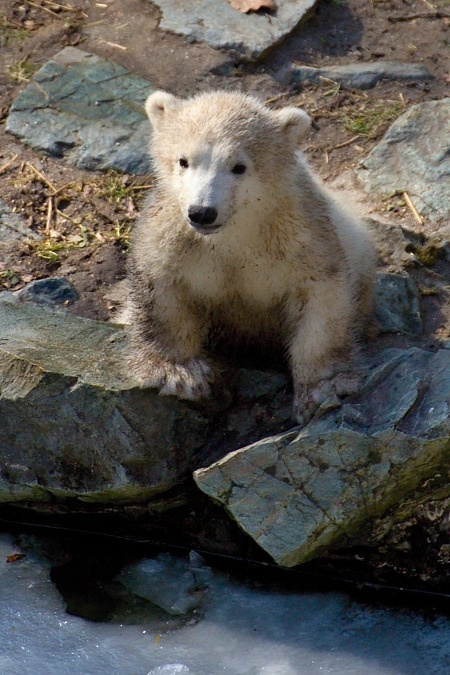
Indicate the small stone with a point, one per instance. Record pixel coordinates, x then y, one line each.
51 291
361 75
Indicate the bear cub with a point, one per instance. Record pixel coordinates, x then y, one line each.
239 239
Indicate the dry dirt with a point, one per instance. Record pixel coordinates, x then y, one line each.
85 217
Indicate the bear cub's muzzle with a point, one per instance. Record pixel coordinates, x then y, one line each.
203 219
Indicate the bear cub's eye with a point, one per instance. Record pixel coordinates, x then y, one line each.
183 162
239 169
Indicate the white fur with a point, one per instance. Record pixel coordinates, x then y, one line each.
282 261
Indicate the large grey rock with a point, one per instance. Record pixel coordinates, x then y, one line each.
414 157
77 435
221 26
87 110
300 493
360 75
73 425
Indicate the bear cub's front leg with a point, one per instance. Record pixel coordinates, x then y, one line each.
165 350
324 356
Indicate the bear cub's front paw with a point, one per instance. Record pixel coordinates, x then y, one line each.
189 380
324 393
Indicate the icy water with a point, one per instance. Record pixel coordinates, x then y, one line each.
215 625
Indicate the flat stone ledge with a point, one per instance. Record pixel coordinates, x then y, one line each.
222 27
86 109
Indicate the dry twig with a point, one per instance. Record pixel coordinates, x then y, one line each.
428 4
6 166
69 218
412 208
48 223
65 8
56 5
45 9
100 213
114 44
42 177
419 15
274 98
344 143
58 191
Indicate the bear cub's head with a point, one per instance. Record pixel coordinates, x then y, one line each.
223 157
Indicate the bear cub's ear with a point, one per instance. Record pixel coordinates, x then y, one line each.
157 105
293 122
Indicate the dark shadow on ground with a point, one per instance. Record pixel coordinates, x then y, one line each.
333 30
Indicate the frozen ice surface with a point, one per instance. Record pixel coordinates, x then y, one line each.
245 631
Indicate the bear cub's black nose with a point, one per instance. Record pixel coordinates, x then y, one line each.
202 215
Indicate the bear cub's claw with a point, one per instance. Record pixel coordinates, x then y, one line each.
325 394
189 380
